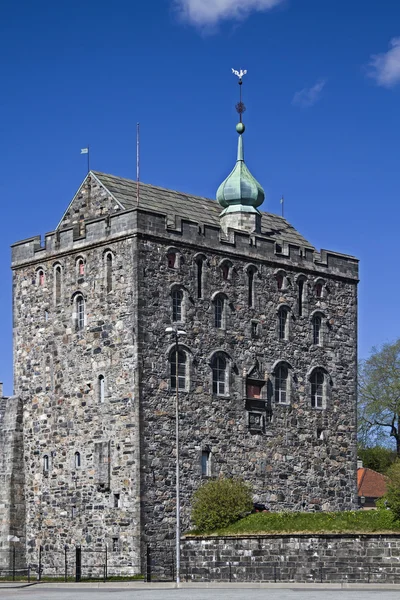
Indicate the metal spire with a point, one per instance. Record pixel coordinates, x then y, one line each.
240 107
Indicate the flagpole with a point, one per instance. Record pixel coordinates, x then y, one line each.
282 203
137 161
88 158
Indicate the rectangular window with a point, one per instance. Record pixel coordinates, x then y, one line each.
282 324
253 390
206 463
102 463
317 394
254 326
117 500
73 512
115 544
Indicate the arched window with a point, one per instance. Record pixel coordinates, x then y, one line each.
318 289
317 329
101 388
219 375
177 302
173 258
281 384
109 271
182 363
279 281
57 284
283 323
80 267
77 460
226 269
45 463
219 312
40 278
80 312
199 275
318 389
301 295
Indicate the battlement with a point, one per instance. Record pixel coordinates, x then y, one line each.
181 231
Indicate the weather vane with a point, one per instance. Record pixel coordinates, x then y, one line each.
240 107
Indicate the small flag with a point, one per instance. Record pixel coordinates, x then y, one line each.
282 200
84 150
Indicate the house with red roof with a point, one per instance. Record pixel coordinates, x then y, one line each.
371 486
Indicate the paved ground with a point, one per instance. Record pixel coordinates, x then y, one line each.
77 592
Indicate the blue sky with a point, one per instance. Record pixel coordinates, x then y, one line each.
322 95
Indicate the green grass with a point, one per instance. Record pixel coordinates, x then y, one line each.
371 521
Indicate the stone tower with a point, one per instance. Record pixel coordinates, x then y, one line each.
267 369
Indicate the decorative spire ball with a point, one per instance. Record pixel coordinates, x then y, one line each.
240 192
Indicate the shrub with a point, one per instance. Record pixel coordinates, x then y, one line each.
393 489
220 502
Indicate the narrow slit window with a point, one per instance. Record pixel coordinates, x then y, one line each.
45 463
318 290
40 278
225 270
109 270
77 460
317 389
283 324
117 500
57 285
300 297
279 281
200 278
80 313
81 267
206 463
115 544
250 276
101 388
281 381
177 301
219 312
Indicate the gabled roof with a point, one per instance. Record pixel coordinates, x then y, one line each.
186 206
371 484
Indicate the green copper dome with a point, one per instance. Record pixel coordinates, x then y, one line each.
240 190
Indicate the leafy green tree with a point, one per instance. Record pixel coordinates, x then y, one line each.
220 502
379 395
377 458
392 495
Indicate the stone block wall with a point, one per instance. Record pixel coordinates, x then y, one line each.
293 558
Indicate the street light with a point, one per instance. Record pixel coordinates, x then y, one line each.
176 333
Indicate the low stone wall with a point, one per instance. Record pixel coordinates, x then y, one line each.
293 558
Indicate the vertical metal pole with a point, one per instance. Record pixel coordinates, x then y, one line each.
275 573
178 507
369 574
13 563
230 572
148 564
320 574
65 564
137 161
106 575
40 563
29 573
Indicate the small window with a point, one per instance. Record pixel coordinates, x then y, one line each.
101 388
45 463
81 267
46 315
73 512
117 500
57 284
115 544
320 434
281 384
109 272
279 281
254 329
177 301
181 370
77 460
80 312
172 259
253 389
219 309
219 373
283 323
200 269
226 270
301 295
206 463
317 389
317 329
318 289
250 283
40 278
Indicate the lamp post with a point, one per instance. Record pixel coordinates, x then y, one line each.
176 333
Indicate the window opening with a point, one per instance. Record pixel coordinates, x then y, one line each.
171 257
206 463
81 267
317 324
109 260
219 375
317 389
57 285
300 298
177 298
73 512
117 498
46 315
219 312
225 271
250 275
282 323
279 281
254 328
253 389
101 390
45 464
318 290
115 544
181 370
80 313
77 460
199 278
41 278
281 380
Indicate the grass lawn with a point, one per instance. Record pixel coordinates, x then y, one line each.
370 521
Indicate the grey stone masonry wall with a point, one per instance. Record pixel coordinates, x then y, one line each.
102 390
12 491
293 558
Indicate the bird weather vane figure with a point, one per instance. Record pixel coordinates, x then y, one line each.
240 107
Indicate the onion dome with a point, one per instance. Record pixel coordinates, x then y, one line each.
240 191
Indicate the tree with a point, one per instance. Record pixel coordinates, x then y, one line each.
392 495
379 395
220 502
377 458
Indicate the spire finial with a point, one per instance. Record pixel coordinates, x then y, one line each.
240 107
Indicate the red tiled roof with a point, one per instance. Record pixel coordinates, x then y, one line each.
371 484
